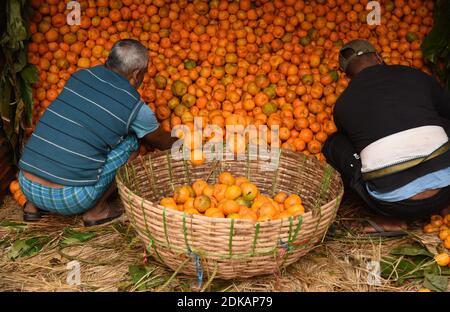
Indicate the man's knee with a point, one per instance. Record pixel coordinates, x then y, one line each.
335 146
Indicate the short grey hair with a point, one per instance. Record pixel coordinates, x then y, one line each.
127 55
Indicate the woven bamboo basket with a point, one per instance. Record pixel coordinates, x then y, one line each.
228 248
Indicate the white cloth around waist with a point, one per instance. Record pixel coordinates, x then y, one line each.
402 146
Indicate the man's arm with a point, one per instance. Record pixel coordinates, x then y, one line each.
147 129
159 139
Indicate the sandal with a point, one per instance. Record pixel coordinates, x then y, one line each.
33 216
380 232
89 223
117 213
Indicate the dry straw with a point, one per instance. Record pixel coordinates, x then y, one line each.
227 248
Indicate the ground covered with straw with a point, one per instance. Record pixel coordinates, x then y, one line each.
35 257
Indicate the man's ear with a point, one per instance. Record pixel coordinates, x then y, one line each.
134 78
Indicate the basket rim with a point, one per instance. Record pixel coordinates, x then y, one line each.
224 220
307 214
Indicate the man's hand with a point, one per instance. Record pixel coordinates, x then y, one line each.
159 139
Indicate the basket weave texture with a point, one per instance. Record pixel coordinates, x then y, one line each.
228 248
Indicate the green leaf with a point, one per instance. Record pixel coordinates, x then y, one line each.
434 268
20 61
5 97
16 30
13 225
410 251
435 282
72 237
20 110
403 268
137 272
27 247
144 278
30 74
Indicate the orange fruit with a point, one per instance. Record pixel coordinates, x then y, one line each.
442 259
219 191
197 157
267 209
22 200
189 203
249 190
436 221
214 213
191 211
198 186
202 203
429 228
168 202
280 197
296 209
233 192
229 206
443 234
447 243
234 216
226 178
293 199
208 190
181 194
240 180
14 186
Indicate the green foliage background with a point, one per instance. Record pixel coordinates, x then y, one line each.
436 45
16 75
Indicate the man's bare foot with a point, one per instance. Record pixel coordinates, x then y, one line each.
31 212
30 208
104 210
386 224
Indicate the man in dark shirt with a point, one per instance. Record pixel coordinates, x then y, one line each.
392 143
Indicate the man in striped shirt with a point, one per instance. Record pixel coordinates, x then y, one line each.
90 130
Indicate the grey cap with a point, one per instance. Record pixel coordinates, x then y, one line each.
358 47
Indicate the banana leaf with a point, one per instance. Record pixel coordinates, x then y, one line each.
436 45
16 75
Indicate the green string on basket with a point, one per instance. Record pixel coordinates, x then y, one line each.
150 236
152 176
230 242
169 164
288 246
324 186
275 181
255 238
247 164
165 226
186 171
299 170
185 233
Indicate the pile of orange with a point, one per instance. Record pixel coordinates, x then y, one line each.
441 226
243 62
234 198
17 193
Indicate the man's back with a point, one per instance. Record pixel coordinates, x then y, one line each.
90 117
383 100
